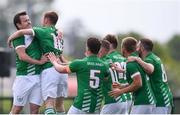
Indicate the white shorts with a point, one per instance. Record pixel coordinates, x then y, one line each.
27 89
115 108
53 83
142 109
74 110
162 110
129 106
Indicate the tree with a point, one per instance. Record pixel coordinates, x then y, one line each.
11 7
75 35
174 46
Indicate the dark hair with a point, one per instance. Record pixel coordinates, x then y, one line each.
52 16
147 44
17 18
129 43
112 39
93 45
105 44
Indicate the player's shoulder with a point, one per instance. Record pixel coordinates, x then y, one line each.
79 61
40 28
153 58
132 64
104 64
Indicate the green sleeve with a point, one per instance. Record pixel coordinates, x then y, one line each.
39 32
18 42
149 60
75 65
132 69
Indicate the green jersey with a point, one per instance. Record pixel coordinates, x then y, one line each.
144 95
32 50
47 37
114 57
158 80
91 73
107 84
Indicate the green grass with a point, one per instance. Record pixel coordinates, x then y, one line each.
5 105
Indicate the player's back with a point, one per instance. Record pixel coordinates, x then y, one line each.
48 41
158 80
91 72
144 95
47 38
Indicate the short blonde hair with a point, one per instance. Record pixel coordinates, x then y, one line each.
129 43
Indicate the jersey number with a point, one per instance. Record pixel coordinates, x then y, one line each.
164 75
94 80
116 75
58 43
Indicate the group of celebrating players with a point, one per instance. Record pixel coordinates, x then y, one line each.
131 82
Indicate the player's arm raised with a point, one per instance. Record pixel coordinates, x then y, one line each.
18 34
148 67
60 68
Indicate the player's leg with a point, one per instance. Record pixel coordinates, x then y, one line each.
20 94
34 109
50 105
49 86
35 97
61 93
60 105
16 109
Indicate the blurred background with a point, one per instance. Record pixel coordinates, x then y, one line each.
158 20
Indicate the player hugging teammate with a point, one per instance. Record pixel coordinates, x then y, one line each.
133 81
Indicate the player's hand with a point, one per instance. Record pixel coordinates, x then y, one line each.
9 42
117 85
60 35
117 67
131 59
116 92
43 59
52 57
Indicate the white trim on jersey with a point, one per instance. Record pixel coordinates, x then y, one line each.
20 46
33 32
137 73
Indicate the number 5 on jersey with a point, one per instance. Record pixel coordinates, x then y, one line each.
94 80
